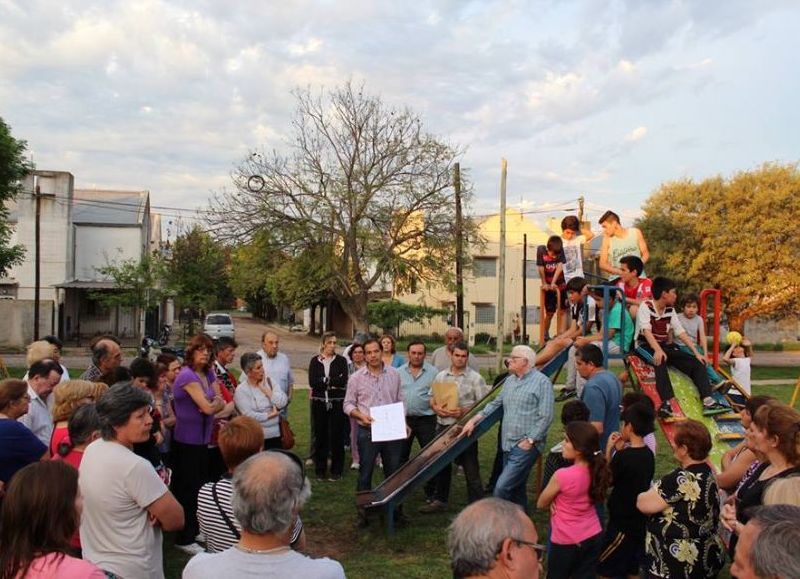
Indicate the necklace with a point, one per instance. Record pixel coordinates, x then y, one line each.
262 551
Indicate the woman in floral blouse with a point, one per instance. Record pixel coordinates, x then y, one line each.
682 539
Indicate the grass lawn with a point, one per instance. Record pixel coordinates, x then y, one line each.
417 551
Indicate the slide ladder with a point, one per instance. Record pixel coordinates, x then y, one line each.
441 451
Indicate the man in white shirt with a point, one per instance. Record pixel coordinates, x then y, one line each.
441 355
277 365
43 376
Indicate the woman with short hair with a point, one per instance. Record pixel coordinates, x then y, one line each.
257 398
69 396
682 539
126 504
41 513
19 446
196 403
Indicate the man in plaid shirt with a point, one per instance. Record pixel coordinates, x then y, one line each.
527 403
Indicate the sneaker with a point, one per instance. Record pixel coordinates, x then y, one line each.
200 538
191 548
715 408
435 506
335 478
354 466
720 385
665 411
566 394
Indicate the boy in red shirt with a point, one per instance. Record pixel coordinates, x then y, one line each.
550 261
637 289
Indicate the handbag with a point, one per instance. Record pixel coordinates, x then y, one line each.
287 435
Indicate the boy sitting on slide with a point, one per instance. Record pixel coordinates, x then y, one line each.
656 323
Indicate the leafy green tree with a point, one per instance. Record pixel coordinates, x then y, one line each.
140 284
198 272
362 191
737 234
389 314
13 169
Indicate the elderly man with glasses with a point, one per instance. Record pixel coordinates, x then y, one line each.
527 403
494 538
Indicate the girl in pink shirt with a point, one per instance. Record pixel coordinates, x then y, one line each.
572 495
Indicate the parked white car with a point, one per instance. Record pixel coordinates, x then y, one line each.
219 324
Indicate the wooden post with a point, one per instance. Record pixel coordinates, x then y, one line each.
459 251
38 261
525 288
501 279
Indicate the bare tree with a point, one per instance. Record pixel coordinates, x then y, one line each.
362 185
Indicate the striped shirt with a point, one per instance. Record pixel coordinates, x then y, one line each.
527 404
219 536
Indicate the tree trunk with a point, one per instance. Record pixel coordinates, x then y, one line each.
356 309
736 321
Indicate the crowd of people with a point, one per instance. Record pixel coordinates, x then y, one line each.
94 470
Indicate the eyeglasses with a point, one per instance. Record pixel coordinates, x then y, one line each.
540 550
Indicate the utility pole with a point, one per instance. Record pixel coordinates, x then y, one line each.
525 288
37 262
501 280
580 210
459 251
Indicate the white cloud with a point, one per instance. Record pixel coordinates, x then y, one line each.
636 134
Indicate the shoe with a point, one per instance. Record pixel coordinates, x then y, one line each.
200 538
434 506
720 385
309 462
715 408
665 411
354 466
335 478
566 394
191 548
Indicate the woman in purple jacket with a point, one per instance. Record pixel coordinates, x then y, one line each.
197 400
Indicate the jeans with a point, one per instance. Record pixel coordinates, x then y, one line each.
517 465
389 452
578 561
423 428
472 472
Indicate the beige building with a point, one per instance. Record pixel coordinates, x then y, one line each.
481 282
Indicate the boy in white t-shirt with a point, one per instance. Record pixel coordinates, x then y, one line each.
738 357
573 237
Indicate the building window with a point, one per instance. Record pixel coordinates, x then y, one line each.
531 271
484 266
485 313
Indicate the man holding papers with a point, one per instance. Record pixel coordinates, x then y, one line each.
373 385
527 402
454 392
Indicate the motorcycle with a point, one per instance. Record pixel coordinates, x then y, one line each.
151 349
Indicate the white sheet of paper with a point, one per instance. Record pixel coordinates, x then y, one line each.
390 422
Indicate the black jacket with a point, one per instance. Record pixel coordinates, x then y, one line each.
336 384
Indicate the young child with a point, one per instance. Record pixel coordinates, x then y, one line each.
572 239
632 469
693 323
550 262
573 492
570 412
637 288
738 357
639 397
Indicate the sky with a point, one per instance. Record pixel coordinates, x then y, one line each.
605 100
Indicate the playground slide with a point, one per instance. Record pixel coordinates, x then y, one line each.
726 429
435 456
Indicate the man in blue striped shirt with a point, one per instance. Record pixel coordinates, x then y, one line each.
527 403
